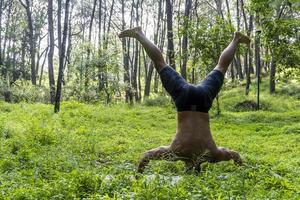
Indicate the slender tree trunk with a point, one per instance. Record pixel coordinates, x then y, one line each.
61 59
238 57
272 74
51 51
188 4
1 5
6 36
87 66
23 51
247 50
69 48
170 51
125 57
31 40
42 66
251 68
219 8
59 25
136 54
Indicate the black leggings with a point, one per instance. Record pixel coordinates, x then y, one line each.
188 97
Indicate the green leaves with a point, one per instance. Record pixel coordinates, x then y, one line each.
91 151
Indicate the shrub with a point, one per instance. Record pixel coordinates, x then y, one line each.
291 90
27 93
158 101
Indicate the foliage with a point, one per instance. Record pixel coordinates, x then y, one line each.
209 40
158 101
91 151
24 92
280 29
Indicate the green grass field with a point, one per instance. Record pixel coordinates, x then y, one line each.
91 152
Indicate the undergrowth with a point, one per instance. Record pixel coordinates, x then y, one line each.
91 151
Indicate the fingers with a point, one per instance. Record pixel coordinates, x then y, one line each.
236 158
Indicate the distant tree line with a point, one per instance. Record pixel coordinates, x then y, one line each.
70 48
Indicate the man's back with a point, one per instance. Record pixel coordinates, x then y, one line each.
193 137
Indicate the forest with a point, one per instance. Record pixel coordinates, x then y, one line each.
71 50
79 105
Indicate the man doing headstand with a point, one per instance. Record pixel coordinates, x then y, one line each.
193 142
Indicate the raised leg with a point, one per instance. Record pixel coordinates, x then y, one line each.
222 154
160 153
228 53
152 50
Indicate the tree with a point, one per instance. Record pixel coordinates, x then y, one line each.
170 50
51 51
188 4
61 58
27 7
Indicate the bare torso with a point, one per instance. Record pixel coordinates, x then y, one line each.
193 137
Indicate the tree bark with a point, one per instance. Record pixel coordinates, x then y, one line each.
272 74
188 4
247 50
51 51
87 66
125 57
61 59
170 51
1 5
136 54
150 67
31 39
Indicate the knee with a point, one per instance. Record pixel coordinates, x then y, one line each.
221 68
160 65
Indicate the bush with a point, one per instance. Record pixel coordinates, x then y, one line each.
158 101
290 90
250 105
27 93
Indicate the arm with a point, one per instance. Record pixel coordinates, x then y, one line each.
159 153
222 154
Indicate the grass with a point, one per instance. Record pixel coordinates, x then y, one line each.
91 151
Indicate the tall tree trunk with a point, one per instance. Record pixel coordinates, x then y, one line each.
150 67
87 66
51 51
59 4
31 39
194 60
237 55
61 59
272 74
69 48
219 8
125 57
6 36
170 51
247 50
23 52
42 67
100 25
1 5
232 74
136 54
188 4
251 68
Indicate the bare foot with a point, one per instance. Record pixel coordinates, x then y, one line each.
130 32
242 38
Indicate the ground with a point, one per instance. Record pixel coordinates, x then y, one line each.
91 151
